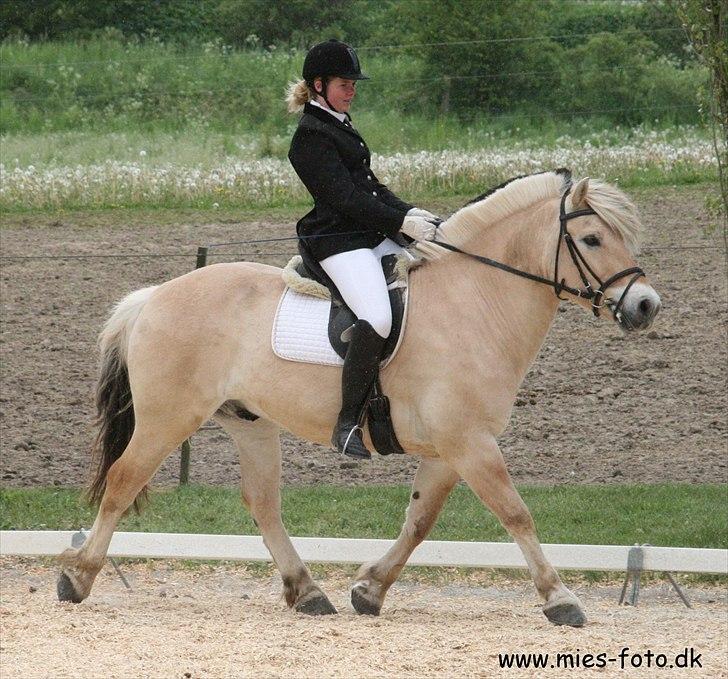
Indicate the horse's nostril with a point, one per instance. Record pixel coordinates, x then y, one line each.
645 307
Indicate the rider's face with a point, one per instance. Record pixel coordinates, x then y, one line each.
340 93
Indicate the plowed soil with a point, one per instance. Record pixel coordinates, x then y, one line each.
597 407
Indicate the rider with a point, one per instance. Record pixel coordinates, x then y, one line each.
353 221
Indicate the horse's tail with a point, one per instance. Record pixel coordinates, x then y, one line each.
114 407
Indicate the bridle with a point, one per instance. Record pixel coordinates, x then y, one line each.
597 297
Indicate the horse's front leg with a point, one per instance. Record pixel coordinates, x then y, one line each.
481 465
433 482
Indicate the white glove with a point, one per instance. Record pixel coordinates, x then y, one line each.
418 212
419 228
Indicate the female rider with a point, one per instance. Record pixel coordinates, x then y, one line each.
353 221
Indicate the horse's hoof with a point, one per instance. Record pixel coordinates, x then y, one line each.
316 605
66 591
361 603
565 614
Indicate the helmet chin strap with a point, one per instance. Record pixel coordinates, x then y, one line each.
322 93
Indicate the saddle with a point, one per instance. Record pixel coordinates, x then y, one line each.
304 276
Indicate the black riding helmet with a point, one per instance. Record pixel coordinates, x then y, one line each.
332 58
328 59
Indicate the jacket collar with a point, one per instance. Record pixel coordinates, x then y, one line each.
326 117
343 117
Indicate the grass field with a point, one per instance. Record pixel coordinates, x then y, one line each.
667 514
106 125
203 172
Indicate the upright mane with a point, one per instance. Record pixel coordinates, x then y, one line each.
499 203
519 193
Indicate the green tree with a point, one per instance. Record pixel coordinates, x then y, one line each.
298 23
606 72
706 24
489 55
573 21
55 19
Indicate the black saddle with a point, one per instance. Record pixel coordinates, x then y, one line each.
342 318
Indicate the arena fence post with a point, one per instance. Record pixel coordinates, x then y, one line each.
201 257
184 461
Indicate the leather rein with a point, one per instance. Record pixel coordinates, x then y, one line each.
597 297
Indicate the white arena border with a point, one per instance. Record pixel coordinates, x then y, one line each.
340 550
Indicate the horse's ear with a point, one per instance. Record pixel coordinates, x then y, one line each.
578 194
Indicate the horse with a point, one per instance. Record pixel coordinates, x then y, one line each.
198 347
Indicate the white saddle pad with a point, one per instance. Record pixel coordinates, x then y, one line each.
301 330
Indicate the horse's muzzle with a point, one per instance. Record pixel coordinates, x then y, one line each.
639 309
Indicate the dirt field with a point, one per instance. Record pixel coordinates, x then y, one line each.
598 406
222 622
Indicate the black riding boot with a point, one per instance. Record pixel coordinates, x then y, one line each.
361 367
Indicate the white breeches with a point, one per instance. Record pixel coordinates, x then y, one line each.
359 277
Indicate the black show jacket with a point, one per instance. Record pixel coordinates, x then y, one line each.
332 161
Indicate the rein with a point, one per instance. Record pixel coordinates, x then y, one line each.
596 296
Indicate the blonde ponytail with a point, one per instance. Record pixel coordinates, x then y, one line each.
297 95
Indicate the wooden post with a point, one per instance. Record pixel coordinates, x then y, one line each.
184 461
184 464
201 257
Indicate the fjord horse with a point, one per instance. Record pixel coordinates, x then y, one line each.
199 347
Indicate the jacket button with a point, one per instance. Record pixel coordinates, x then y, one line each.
369 176
361 143
374 193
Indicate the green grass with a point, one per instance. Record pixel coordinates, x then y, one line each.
173 118
199 174
198 145
667 514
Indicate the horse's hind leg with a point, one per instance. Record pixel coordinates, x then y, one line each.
147 449
432 484
260 469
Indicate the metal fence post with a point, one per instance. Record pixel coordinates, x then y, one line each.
184 461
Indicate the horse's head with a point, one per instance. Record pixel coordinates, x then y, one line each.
585 251
595 255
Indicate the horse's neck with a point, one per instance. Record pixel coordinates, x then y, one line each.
507 316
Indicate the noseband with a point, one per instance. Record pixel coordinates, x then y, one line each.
598 301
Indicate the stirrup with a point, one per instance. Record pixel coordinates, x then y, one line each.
348 438
358 450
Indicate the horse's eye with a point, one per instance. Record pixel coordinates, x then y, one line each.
592 241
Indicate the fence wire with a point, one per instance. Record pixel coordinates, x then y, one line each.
193 255
87 96
296 54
